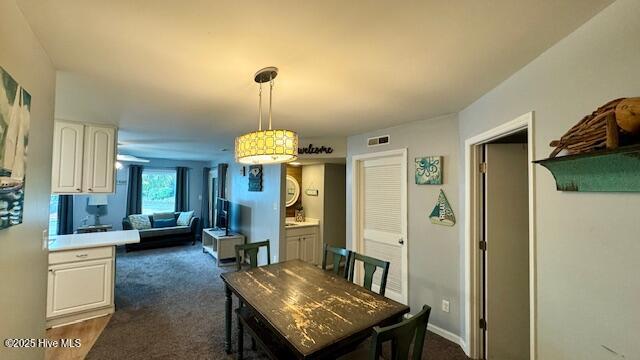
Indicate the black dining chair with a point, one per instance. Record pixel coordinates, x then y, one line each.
370 266
338 255
250 251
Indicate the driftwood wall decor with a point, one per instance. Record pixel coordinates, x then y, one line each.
614 124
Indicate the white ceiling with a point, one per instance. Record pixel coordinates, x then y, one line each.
177 76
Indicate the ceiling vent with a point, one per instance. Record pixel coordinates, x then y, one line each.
378 140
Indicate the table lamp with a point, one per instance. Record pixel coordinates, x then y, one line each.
98 201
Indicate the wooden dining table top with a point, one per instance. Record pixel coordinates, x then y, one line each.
309 307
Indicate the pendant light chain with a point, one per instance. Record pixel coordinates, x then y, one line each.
270 97
260 108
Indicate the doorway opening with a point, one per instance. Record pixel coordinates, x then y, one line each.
500 242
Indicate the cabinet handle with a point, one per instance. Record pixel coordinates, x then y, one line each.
50 270
82 255
78 189
90 189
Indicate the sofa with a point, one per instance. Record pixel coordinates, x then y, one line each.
156 235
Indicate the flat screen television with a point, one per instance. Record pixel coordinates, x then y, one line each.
223 215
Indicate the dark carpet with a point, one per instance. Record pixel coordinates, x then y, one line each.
170 305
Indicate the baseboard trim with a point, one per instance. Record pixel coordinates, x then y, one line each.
79 317
446 334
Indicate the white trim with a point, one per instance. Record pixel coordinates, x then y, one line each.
355 208
446 334
526 121
442 332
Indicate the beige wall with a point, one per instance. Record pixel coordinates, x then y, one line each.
588 249
23 262
434 250
329 205
313 178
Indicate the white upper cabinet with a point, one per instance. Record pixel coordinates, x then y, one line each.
99 159
83 158
67 157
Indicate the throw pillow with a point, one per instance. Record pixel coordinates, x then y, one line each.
163 223
163 216
185 218
140 222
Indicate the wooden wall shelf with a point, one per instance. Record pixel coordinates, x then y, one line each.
602 171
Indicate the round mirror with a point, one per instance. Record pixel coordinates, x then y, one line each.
293 190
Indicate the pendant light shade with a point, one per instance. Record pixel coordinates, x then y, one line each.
270 146
267 147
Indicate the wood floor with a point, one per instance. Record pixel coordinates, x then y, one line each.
87 331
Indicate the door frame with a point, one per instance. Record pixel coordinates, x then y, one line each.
356 207
472 231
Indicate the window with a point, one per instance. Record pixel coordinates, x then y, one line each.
53 215
158 190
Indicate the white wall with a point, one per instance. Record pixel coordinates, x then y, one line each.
23 262
434 250
588 251
258 215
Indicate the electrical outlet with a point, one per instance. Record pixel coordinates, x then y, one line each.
445 305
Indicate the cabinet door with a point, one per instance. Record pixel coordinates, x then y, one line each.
66 171
310 249
79 286
99 164
315 250
293 248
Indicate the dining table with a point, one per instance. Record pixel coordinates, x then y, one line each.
310 312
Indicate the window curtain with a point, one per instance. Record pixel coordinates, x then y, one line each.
204 217
65 214
134 190
222 180
182 189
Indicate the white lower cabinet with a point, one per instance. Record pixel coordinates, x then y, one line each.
304 243
79 282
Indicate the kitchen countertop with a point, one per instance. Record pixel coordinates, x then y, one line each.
91 240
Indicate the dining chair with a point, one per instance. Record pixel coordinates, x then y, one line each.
250 251
338 254
401 335
370 266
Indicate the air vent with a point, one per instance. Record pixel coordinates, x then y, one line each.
377 141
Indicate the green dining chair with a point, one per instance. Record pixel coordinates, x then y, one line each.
401 335
250 251
338 254
370 267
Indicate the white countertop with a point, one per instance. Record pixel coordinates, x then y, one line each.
292 224
90 240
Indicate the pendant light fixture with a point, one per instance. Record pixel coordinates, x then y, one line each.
270 146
